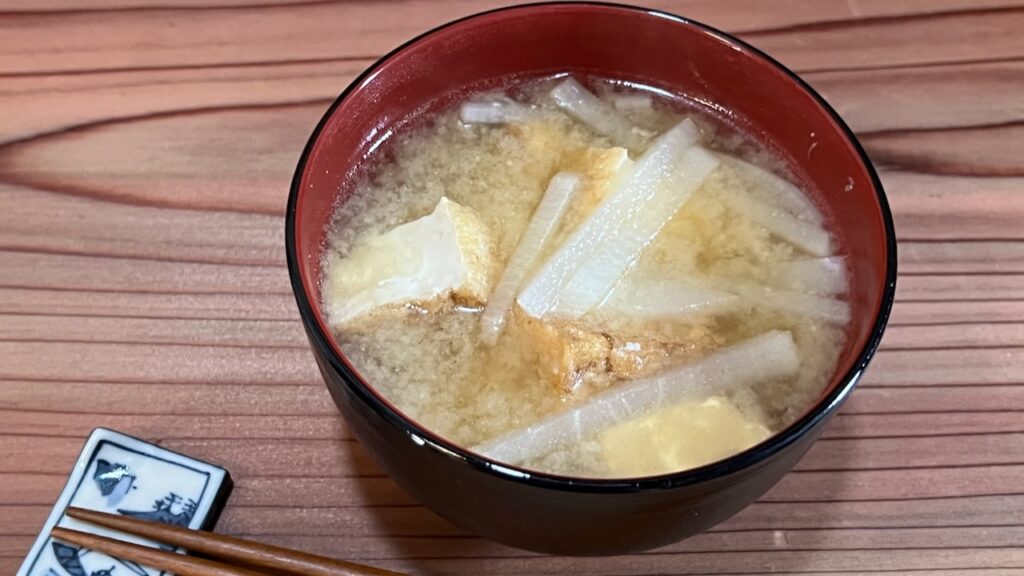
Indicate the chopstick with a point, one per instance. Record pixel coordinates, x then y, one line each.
255 556
178 564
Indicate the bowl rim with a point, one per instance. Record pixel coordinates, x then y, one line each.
744 460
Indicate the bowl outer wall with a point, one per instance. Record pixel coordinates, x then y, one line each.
683 57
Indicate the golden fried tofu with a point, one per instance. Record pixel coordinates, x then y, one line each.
679 437
564 354
569 354
630 358
444 256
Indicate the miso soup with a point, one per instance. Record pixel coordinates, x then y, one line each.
584 278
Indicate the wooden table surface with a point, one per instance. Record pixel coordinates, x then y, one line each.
146 148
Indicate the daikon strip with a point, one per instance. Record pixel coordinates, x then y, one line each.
600 116
644 181
814 275
806 236
599 274
662 298
810 305
775 190
765 357
497 111
543 223
633 102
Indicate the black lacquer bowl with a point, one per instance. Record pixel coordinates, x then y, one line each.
545 512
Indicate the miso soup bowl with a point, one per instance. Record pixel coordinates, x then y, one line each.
545 512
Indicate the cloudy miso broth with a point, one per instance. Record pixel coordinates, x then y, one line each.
586 279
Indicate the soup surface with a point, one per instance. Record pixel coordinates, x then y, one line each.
592 281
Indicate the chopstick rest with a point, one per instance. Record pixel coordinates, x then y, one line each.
120 474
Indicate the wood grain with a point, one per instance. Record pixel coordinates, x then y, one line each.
146 148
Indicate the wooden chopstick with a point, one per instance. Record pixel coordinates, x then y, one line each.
258 556
178 564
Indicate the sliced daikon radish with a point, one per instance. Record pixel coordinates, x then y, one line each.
543 223
814 275
645 179
496 111
809 305
598 275
600 116
775 190
765 357
807 236
662 298
632 102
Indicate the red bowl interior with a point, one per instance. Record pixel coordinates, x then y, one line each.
650 48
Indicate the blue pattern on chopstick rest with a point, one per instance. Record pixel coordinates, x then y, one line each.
113 480
124 475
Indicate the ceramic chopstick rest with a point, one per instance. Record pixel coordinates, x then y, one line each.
123 475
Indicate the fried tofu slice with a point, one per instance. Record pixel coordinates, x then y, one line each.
638 357
679 437
444 257
571 354
630 358
564 354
